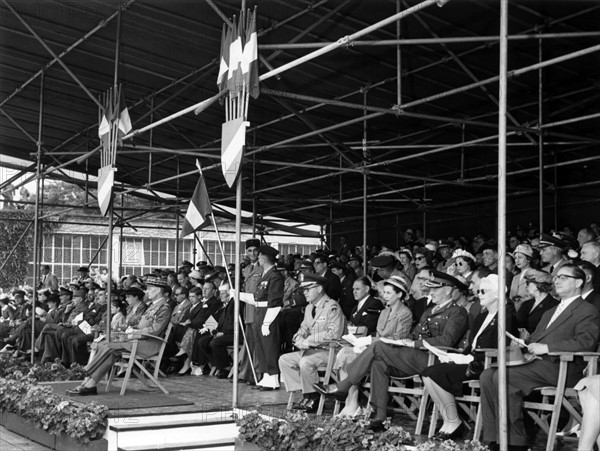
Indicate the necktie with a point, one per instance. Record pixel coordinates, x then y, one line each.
551 269
561 308
314 312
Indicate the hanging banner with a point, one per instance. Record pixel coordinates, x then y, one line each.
232 148
106 180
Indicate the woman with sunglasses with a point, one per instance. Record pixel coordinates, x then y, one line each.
423 259
539 286
394 322
444 381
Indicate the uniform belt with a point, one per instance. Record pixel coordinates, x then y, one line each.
261 304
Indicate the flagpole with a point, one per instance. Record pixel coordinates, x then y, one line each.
238 272
237 324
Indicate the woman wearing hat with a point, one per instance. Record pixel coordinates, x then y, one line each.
445 380
523 256
394 322
539 286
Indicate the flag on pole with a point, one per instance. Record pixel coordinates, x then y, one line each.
124 119
234 75
232 148
106 180
250 57
199 209
223 64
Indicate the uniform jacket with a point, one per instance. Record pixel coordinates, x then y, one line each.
327 325
368 314
445 327
270 289
252 275
395 325
289 286
156 318
528 319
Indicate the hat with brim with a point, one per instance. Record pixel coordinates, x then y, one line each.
79 293
463 254
445 243
551 240
441 279
382 261
307 265
515 357
63 290
336 265
524 249
312 279
137 292
268 250
252 242
537 276
83 269
53 297
406 252
398 282
195 275
157 282
187 263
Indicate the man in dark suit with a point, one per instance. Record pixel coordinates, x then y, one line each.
574 325
418 306
334 286
588 292
590 252
365 313
347 301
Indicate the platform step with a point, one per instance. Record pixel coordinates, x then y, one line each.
186 431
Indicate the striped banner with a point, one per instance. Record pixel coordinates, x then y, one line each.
106 180
232 148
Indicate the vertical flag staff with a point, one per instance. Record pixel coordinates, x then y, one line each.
238 77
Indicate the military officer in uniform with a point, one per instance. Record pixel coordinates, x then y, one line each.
444 323
323 322
269 301
252 274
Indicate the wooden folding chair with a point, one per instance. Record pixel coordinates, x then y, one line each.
546 412
409 400
131 362
325 375
470 402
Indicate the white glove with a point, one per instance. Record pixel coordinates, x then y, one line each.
265 329
272 313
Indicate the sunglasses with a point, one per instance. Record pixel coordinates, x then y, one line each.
481 291
459 263
419 257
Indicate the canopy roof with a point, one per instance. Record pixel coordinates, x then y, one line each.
311 137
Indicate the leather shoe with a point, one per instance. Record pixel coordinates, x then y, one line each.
456 433
82 391
261 388
330 391
376 425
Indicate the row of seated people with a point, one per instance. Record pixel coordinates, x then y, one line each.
573 324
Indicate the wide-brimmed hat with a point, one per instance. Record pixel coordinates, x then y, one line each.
515 357
524 249
398 282
463 254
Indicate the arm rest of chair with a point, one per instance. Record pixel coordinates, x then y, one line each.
154 337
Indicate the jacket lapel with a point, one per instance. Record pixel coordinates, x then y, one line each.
566 314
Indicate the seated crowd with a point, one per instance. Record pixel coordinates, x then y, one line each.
428 293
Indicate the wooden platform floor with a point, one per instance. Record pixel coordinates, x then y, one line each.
209 394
